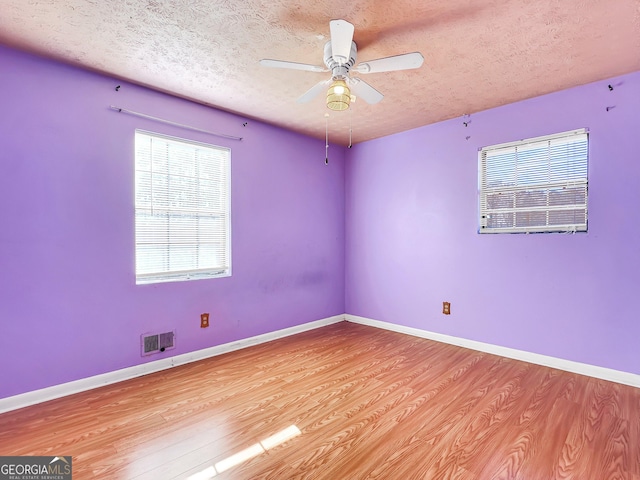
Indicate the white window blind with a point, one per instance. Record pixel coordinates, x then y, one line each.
535 185
182 209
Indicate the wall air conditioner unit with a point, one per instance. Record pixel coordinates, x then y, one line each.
151 343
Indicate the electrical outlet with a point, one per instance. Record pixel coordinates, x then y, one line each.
204 320
446 308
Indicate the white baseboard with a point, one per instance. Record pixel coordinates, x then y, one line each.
611 375
57 391
38 396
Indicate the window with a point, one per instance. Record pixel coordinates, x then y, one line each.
535 185
181 209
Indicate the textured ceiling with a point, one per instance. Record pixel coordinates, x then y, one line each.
478 53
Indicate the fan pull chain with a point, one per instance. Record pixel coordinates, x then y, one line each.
326 139
350 127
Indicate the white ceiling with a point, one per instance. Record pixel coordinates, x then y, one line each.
478 53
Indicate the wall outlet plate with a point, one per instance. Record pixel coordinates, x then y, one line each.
204 320
446 308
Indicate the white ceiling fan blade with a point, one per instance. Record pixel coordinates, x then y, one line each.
407 61
363 90
313 91
341 38
267 62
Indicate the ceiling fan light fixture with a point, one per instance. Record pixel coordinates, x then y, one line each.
338 96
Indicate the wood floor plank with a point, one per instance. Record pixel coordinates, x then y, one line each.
369 404
632 412
532 431
584 452
465 439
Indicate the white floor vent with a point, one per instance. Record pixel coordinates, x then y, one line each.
151 343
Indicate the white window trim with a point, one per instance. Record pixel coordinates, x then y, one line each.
184 275
484 211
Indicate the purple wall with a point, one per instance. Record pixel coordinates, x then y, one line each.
411 241
69 306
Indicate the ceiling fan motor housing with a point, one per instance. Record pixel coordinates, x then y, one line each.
339 55
339 71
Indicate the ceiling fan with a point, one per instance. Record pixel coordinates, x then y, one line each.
340 55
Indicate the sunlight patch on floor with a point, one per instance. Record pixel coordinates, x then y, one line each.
247 454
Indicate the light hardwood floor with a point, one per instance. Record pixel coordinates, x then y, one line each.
369 404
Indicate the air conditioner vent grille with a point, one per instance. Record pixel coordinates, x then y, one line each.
151 343
166 340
